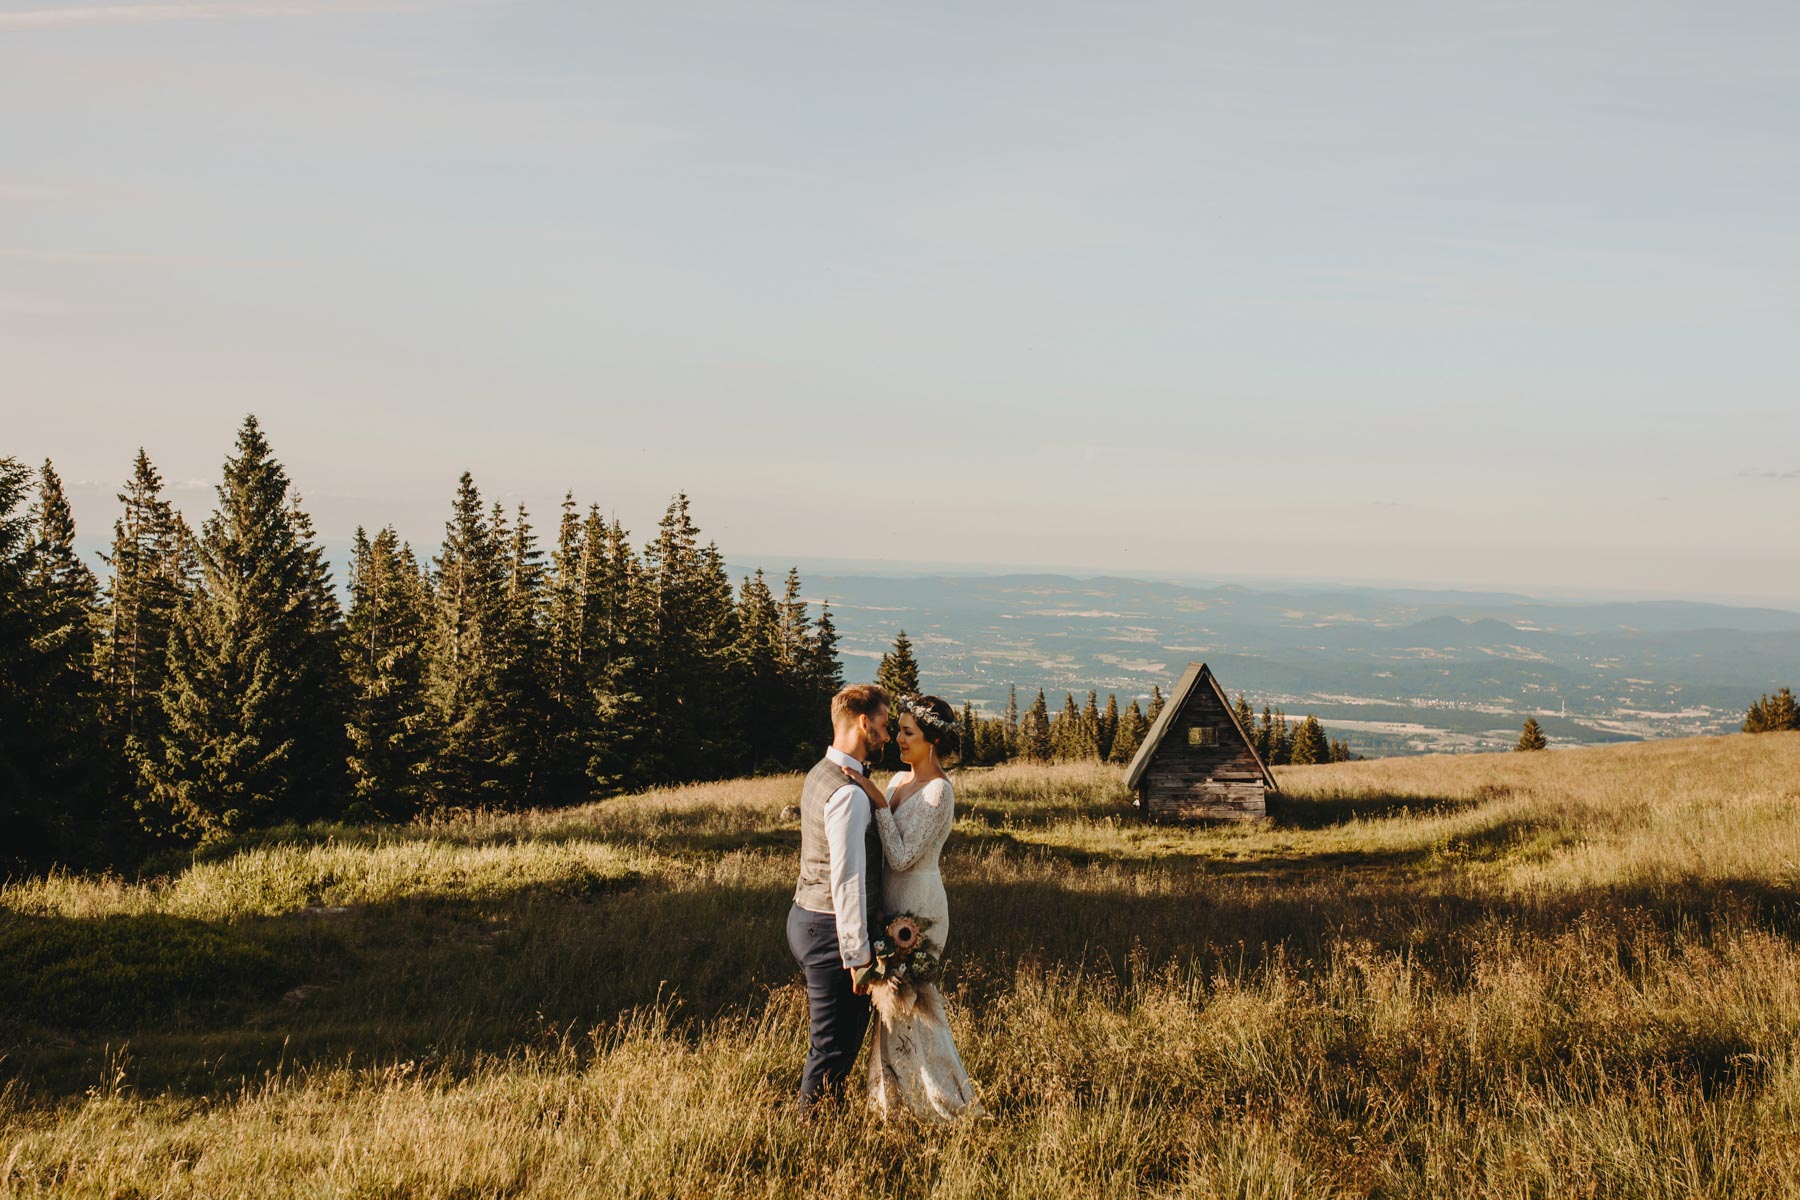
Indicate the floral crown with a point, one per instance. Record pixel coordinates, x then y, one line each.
924 716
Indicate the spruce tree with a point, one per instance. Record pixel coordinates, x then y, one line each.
253 696
970 732
525 673
1310 743
1281 747
68 756
1034 731
613 722
1531 736
22 806
321 765
825 671
387 637
1783 714
1066 740
1090 726
1012 721
1264 738
690 698
1156 705
802 718
898 674
565 672
54 772
1133 725
990 740
1244 715
1773 714
796 632
1109 727
153 568
757 660
726 743
467 659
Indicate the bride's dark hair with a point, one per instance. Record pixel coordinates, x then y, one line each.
943 732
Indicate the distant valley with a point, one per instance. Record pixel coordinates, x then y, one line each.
1391 671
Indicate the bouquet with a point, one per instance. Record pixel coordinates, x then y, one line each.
904 958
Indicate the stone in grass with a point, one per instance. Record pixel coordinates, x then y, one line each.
303 993
791 813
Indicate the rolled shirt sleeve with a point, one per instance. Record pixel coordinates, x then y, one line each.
846 826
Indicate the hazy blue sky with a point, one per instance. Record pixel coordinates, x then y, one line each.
1473 294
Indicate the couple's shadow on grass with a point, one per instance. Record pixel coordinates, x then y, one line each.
205 1005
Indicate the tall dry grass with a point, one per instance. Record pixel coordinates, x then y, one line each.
1514 975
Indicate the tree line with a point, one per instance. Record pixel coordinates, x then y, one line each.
1773 714
215 682
1094 733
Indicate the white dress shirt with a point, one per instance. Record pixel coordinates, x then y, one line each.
847 816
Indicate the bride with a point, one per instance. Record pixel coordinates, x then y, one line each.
914 1064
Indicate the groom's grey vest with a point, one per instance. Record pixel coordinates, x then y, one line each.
814 890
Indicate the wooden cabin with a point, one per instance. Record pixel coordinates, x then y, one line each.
1197 761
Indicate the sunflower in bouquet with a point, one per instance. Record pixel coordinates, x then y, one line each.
903 956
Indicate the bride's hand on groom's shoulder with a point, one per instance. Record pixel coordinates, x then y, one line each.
875 794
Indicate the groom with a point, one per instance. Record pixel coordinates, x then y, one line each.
840 886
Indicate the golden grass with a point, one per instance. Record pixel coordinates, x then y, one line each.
1572 973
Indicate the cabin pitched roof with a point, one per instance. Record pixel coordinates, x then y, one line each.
1196 676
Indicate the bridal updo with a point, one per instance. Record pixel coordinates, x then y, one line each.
937 722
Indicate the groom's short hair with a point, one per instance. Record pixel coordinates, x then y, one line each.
857 700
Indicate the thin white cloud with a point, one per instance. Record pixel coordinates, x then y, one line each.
113 258
115 14
1769 474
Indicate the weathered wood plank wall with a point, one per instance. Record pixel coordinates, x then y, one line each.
1219 778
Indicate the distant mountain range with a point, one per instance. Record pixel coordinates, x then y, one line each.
1393 671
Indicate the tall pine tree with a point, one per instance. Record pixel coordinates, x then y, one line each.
1244 715
468 658
1773 714
763 685
53 767
153 568
387 638
252 699
22 805
564 667
524 671
1034 731
614 721
690 695
898 673
1310 744
1133 725
67 753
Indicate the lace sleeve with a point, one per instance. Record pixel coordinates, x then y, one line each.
924 820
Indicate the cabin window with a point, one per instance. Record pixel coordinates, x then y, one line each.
1203 735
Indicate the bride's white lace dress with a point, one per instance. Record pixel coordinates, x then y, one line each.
914 1064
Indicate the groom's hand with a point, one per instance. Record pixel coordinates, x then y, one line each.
860 977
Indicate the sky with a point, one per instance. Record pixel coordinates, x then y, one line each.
1474 295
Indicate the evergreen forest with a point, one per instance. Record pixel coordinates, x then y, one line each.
218 681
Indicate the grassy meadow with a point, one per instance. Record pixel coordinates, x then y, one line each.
1562 974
